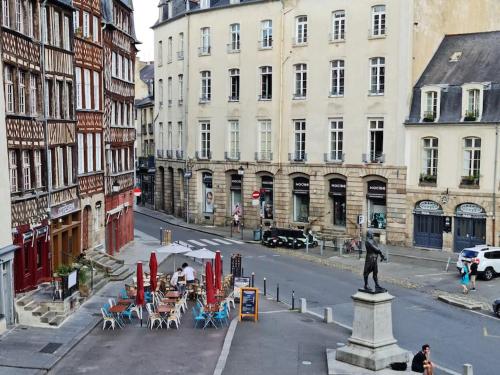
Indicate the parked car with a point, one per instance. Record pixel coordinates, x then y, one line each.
496 307
292 238
271 238
489 260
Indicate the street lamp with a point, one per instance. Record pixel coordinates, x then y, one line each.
241 172
115 187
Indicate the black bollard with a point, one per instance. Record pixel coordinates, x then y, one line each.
277 292
253 279
242 272
265 287
293 299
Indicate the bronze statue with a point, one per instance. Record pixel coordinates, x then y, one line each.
372 253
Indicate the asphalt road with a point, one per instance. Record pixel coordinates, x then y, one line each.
456 336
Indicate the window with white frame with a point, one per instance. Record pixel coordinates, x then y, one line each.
301 30
26 166
336 140
56 34
169 91
21 90
206 86
66 37
266 83
180 46
114 68
19 16
87 87
266 27
126 70
81 153
234 35
234 84
78 78
98 152
378 20
33 95
14 182
160 53
337 78
86 25
377 75
234 139
90 152
300 140
205 41
95 29
473 105
97 90
6 15
45 34
179 135
472 157
76 20
119 65
429 159
37 158
376 140
431 106
169 49
180 86
205 140
300 81
265 145
9 89
160 91
338 26
69 165
30 19
204 4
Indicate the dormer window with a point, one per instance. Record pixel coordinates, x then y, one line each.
204 4
472 101
430 103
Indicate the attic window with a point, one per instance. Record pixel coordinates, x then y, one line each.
455 56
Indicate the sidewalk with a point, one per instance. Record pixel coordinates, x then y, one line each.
30 350
425 270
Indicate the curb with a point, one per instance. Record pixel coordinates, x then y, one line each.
456 301
221 363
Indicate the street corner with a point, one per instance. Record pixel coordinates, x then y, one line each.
462 301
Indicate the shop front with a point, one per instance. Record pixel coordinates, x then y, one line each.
7 285
65 233
428 225
376 204
337 194
207 193
266 198
470 226
300 200
235 188
119 221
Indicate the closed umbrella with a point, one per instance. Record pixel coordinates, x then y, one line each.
218 270
210 284
153 269
139 298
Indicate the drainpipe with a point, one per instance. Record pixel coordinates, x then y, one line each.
493 226
186 112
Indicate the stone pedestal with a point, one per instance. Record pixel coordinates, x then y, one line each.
372 345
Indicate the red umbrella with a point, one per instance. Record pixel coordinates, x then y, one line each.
139 298
153 269
218 270
210 284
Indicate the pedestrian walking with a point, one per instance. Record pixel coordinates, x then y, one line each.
236 218
473 273
421 362
464 280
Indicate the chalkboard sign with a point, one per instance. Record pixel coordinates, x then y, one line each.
249 303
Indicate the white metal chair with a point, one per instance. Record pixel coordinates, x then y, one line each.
112 302
230 300
107 319
153 317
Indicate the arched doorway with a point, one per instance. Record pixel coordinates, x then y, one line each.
376 204
207 197
470 226
300 199
428 225
161 193
337 193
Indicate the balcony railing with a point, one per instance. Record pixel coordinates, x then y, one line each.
427 179
297 157
266 97
296 42
180 102
471 115
143 130
169 154
472 181
373 158
266 44
334 157
263 156
299 95
204 51
232 155
205 99
382 32
203 155
150 128
160 154
233 48
180 55
179 154
234 98
169 102
429 116
333 39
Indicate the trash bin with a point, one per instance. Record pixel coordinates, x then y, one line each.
256 234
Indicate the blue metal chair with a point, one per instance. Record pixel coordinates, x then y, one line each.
222 316
197 317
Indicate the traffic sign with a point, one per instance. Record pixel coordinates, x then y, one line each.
255 195
137 192
361 219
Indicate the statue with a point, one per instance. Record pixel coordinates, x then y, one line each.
372 253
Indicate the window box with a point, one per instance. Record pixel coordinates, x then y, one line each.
332 157
429 117
199 155
469 181
427 180
233 98
297 157
471 115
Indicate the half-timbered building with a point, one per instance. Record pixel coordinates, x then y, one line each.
119 132
89 115
26 140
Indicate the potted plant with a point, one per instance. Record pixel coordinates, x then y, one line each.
470 180
428 178
83 279
429 116
78 32
470 116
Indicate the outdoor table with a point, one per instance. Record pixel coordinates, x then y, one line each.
209 312
164 309
169 300
173 294
132 294
126 302
117 310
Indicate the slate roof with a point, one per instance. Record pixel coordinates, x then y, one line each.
480 54
65 2
107 14
145 102
147 73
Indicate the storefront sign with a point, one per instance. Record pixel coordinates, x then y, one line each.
301 186
337 187
466 209
65 208
429 206
207 179
235 182
42 231
27 236
376 189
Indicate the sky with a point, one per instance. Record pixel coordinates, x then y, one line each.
146 14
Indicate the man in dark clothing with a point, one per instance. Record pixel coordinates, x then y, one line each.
473 273
420 359
372 253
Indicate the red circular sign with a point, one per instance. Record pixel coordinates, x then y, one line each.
255 195
137 192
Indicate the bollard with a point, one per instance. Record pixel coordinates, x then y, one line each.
242 272
265 287
277 292
468 369
303 305
322 246
448 264
253 279
328 315
241 227
293 299
161 236
231 230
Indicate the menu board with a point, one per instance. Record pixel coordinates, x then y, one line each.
240 282
249 303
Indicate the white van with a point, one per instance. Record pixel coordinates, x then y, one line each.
489 260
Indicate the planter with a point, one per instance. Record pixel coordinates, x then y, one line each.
468 181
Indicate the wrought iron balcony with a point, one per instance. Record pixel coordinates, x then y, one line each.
297 157
180 55
231 156
264 156
203 155
334 157
204 51
374 157
179 154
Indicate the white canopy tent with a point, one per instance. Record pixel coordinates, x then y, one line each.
201 254
174 248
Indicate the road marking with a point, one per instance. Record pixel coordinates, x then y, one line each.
274 312
196 243
184 243
261 256
208 241
486 334
249 256
221 362
275 255
236 242
432 274
483 315
221 241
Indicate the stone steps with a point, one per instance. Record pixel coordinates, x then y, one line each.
121 273
32 305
